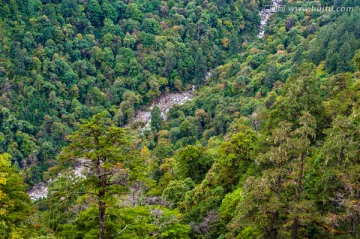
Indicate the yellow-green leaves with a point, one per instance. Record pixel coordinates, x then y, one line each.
14 203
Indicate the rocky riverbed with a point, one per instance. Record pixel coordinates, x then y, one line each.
164 103
41 189
265 14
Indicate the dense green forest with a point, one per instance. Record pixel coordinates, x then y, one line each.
268 147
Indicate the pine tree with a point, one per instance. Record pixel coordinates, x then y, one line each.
94 12
156 118
281 208
107 152
234 43
200 67
300 207
345 54
170 60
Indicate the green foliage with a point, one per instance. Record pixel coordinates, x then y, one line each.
267 148
14 202
107 153
193 162
175 190
66 61
235 158
134 222
156 118
228 206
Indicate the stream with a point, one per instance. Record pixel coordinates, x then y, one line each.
265 14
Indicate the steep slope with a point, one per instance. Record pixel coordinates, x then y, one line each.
268 147
67 60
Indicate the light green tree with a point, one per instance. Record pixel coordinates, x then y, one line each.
14 202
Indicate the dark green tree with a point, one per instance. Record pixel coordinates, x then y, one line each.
107 152
94 12
234 43
200 67
156 118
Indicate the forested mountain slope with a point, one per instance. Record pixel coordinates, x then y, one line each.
67 60
267 148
